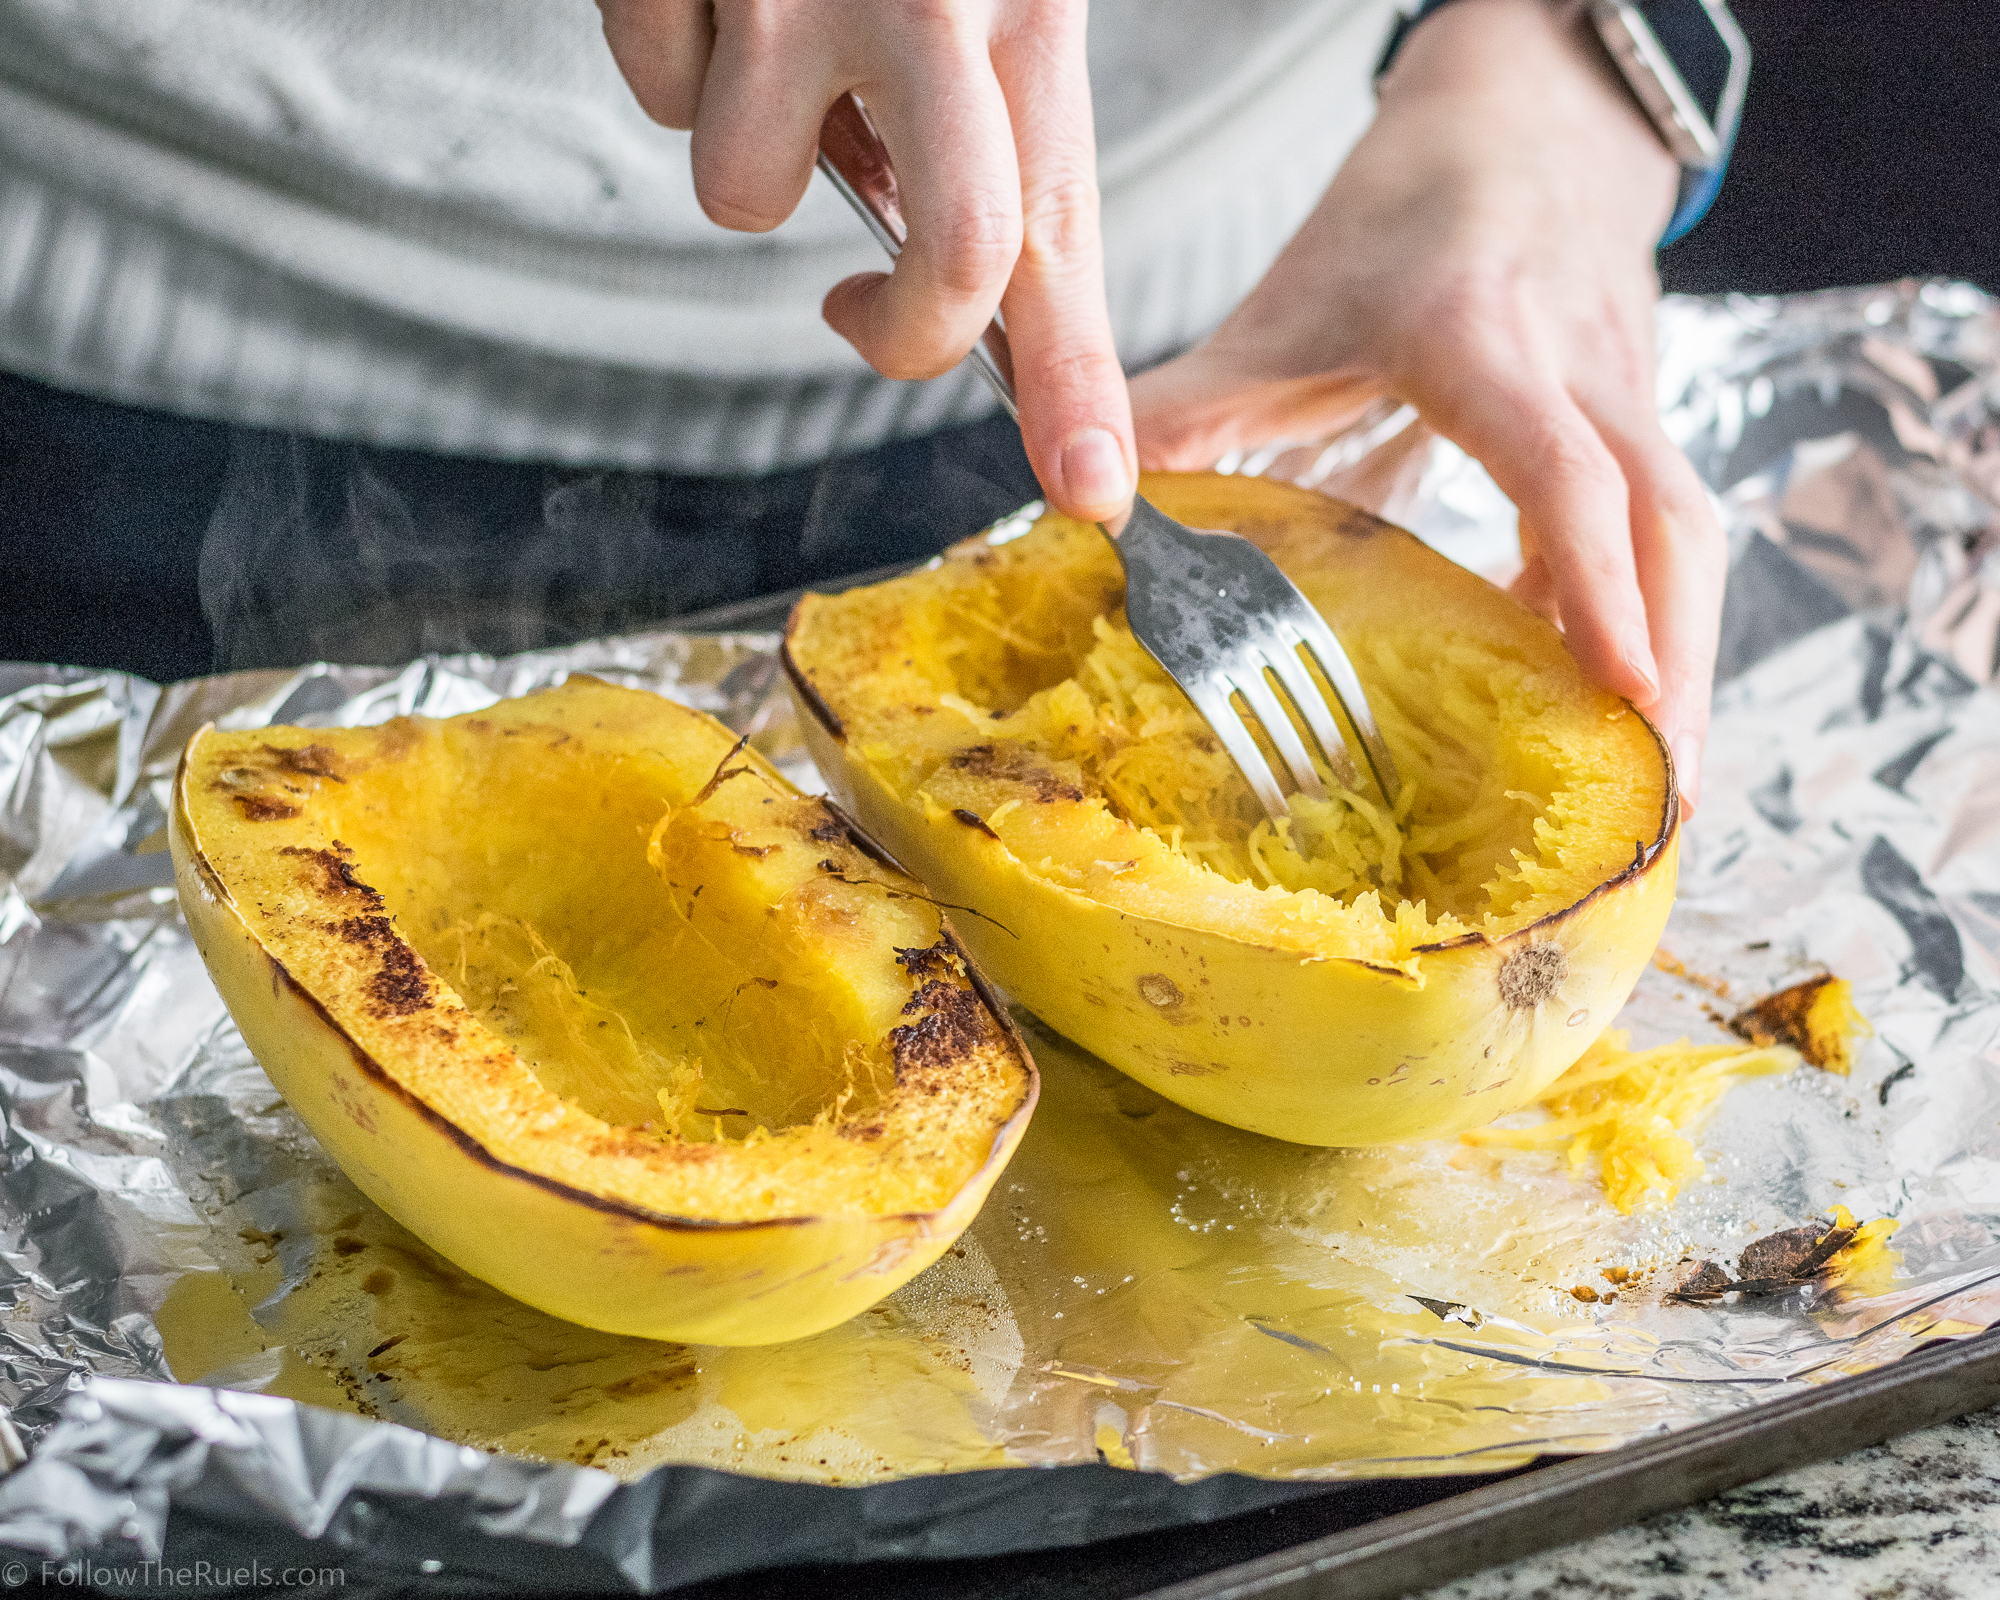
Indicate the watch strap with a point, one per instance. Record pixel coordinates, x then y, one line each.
1699 187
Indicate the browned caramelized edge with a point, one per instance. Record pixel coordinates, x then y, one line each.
372 1069
809 697
1352 522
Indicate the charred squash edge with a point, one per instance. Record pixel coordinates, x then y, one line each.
372 1069
1644 857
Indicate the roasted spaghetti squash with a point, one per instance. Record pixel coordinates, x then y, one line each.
1361 973
594 1002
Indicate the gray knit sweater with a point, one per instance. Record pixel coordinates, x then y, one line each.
446 225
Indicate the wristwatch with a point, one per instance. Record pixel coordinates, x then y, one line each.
1687 64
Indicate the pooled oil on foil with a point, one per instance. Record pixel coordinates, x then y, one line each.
1144 1288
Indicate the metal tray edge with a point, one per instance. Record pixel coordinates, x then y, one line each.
1577 1499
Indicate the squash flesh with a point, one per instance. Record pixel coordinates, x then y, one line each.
1632 1109
1408 975
616 956
721 978
558 939
1523 787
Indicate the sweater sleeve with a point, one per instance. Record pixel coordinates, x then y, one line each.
448 226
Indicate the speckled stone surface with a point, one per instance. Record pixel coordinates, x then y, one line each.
1915 1519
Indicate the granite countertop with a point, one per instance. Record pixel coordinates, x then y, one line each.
1917 1518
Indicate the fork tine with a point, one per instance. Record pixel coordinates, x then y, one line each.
1306 694
1211 699
1270 710
1319 639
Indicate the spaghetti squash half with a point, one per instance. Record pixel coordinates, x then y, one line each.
596 1004
1360 973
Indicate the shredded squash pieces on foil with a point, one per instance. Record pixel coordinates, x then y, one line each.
1632 1108
1629 1109
1851 1258
1818 1018
1865 1265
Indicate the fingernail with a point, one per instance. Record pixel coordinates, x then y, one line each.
1093 471
1687 769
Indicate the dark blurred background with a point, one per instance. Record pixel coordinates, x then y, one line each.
1870 150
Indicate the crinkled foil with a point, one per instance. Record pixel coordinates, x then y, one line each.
1144 1288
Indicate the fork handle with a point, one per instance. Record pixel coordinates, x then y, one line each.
853 157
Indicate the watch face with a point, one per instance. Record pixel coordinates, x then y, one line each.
1687 31
1688 63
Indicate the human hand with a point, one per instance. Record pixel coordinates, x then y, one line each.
1486 254
985 109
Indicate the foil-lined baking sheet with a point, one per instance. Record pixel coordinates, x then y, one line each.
1144 1289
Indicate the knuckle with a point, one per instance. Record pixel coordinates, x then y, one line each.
1071 369
1686 511
1697 526
1460 340
1059 223
939 18
757 23
973 250
1627 363
1473 313
1565 452
936 30
1044 27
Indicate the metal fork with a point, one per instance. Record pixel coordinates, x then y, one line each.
1210 607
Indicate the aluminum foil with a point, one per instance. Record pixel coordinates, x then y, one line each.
1144 1289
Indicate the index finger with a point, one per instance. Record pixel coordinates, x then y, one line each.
1548 457
1076 416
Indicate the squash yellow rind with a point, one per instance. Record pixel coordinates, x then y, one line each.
1321 1018
595 1003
